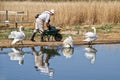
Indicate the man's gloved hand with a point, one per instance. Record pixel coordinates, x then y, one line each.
49 27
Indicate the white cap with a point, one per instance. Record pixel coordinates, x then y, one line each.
52 11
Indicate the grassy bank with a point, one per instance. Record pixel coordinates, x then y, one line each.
70 13
104 32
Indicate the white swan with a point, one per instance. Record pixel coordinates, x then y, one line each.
91 54
17 55
68 52
68 42
18 36
91 36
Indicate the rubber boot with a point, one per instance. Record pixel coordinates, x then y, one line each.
32 37
41 37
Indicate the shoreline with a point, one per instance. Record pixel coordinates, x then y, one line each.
28 43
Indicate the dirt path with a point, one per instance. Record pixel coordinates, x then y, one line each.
28 43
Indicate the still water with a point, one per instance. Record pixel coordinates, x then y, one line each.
83 62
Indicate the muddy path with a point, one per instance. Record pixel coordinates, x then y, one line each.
27 43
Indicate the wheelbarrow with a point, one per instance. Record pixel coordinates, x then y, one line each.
52 32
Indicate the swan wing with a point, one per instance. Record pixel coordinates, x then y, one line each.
88 39
89 34
12 34
19 35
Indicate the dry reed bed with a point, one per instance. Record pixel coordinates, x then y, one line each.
71 13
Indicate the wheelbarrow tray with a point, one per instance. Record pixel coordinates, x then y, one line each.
51 32
54 33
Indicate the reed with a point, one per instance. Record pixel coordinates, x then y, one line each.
71 13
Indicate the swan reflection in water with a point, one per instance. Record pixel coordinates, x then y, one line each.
42 58
68 52
90 53
17 55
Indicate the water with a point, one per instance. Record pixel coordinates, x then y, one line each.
97 62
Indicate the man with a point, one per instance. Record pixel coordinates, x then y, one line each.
40 20
42 61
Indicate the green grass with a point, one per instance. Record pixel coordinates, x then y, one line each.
108 28
77 27
3 36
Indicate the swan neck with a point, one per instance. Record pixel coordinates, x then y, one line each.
94 30
20 29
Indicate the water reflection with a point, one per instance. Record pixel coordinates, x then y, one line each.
42 58
18 55
47 61
1 49
68 52
90 54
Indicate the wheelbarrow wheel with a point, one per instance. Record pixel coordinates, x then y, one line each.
58 37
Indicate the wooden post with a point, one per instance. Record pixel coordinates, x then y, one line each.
6 14
16 24
16 20
7 21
